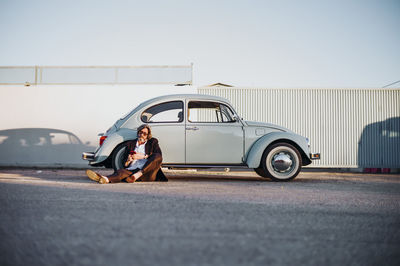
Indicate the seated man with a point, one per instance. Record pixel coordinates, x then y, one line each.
143 162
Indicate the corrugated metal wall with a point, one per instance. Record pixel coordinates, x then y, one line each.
350 127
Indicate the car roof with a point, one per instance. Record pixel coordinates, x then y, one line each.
173 97
32 131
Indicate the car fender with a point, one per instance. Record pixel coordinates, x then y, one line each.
257 149
112 141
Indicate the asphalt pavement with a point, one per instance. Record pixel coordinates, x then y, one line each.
60 217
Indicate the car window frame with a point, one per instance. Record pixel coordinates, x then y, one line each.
164 122
212 101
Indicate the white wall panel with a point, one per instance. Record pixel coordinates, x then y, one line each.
350 127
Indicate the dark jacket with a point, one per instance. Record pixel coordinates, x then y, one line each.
152 149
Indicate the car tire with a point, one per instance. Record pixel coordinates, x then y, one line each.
281 162
260 172
118 159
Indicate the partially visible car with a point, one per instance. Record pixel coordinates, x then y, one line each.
40 146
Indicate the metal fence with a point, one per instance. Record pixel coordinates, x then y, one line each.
60 75
350 127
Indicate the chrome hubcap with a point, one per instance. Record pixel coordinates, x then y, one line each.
282 162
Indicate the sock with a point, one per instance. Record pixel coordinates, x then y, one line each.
106 178
137 175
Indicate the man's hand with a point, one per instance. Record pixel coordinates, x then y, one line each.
128 160
136 156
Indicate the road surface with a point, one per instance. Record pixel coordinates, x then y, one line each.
60 217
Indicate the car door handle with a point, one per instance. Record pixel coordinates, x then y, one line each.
192 128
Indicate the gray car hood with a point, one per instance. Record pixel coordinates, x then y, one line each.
268 125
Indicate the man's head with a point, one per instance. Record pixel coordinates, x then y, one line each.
144 133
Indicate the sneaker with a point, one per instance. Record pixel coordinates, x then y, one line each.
93 175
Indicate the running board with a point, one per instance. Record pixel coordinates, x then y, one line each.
191 166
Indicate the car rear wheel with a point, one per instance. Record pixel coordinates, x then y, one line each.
118 159
281 162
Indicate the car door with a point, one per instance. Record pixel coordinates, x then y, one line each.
213 135
167 124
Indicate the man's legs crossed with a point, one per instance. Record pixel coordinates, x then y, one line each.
119 175
147 174
116 177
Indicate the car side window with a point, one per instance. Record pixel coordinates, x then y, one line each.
209 112
169 112
59 138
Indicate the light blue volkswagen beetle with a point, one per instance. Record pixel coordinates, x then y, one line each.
203 131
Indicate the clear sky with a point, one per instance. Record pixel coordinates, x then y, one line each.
283 43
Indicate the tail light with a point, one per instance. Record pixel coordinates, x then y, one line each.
102 139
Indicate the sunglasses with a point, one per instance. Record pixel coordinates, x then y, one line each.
143 133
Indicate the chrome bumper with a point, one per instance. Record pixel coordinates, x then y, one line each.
315 156
88 156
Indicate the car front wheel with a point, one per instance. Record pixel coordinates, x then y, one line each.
281 162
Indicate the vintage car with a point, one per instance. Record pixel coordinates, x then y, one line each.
203 131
